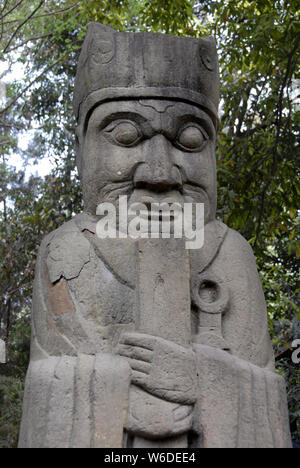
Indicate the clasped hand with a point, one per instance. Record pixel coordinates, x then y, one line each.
162 368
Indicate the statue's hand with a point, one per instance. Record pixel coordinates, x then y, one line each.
162 368
153 418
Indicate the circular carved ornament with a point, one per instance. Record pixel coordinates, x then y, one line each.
102 51
211 296
207 60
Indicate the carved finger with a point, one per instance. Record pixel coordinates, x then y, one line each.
140 366
139 379
138 339
135 352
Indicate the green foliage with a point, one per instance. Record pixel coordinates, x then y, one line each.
258 150
170 16
11 395
291 374
12 378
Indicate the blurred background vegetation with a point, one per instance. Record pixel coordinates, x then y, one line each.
258 150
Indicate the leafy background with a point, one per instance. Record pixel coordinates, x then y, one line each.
258 150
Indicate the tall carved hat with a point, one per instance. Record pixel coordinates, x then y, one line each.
116 65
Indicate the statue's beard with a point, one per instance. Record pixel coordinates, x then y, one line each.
189 193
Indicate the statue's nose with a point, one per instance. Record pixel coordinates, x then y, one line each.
158 172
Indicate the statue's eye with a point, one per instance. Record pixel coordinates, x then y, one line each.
123 133
192 138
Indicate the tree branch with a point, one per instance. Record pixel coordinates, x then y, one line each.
286 80
13 101
50 13
5 142
284 83
6 124
21 25
11 10
243 110
28 40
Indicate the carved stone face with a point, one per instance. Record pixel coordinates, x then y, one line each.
149 150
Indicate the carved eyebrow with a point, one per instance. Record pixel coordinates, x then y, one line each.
160 107
121 115
178 118
202 121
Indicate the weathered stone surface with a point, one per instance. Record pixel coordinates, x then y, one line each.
241 405
140 343
164 290
138 65
75 402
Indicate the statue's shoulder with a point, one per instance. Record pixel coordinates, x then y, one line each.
66 250
236 246
61 231
223 243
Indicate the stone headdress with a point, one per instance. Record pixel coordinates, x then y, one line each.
121 65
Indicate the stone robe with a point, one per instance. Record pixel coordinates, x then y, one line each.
77 387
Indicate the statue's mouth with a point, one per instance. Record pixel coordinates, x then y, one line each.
157 211
155 206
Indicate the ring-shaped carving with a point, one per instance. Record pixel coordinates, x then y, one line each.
220 305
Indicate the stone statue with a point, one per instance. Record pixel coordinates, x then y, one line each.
140 342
